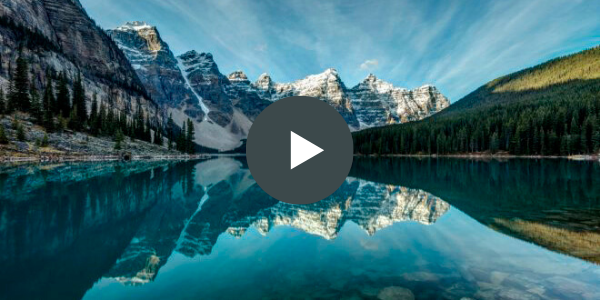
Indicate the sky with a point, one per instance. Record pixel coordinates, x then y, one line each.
454 45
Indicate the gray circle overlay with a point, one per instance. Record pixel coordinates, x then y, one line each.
269 145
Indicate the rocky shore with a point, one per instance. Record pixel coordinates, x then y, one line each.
68 146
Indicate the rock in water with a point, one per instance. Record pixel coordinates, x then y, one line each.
396 293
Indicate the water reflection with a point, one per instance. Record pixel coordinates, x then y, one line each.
206 230
553 203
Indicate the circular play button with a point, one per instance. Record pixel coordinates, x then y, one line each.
299 150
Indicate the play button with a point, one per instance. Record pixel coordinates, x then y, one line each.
302 150
299 150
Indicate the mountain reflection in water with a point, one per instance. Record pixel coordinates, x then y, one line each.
205 229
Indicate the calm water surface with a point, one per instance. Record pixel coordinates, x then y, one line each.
396 229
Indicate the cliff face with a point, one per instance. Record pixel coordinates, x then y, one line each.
379 103
70 42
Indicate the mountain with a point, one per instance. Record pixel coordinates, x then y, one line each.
563 76
58 36
224 107
378 103
327 86
549 109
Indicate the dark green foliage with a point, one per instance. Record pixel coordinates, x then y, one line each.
36 107
119 139
158 140
181 139
189 138
519 114
78 101
2 102
139 124
74 123
94 128
101 120
170 131
21 133
19 98
63 101
147 132
45 142
48 104
3 137
185 138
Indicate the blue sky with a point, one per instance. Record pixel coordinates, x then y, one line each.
455 45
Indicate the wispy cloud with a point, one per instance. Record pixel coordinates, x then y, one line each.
369 64
455 45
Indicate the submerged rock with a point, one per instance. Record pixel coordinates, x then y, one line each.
395 293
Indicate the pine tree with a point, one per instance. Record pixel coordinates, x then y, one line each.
79 101
19 98
36 106
63 102
109 123
596 140
74 120
575 136
494 143
48 105
148 131
189 139
62 123
45 141
170 129
3 137
101 121
21 133
94 130
139 124
181 140
2 102
119 139
158 140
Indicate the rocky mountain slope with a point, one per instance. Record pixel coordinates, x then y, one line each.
224 107
378 103
58 36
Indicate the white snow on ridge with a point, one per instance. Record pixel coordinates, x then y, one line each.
185 75
136 26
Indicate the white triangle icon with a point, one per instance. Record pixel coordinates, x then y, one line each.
302 150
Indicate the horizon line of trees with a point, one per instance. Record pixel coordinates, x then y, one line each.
67 109
559 125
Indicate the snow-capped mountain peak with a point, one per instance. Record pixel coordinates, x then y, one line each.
238 77
135 26
204 62
264 82
378 102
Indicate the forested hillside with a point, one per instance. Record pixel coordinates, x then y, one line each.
550 109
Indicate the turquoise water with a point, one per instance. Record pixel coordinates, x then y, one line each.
397 228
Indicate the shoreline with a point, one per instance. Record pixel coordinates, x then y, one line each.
582 157
105 158
54 157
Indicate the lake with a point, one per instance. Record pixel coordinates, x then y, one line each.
398 228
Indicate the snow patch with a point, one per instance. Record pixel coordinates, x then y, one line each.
185 75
